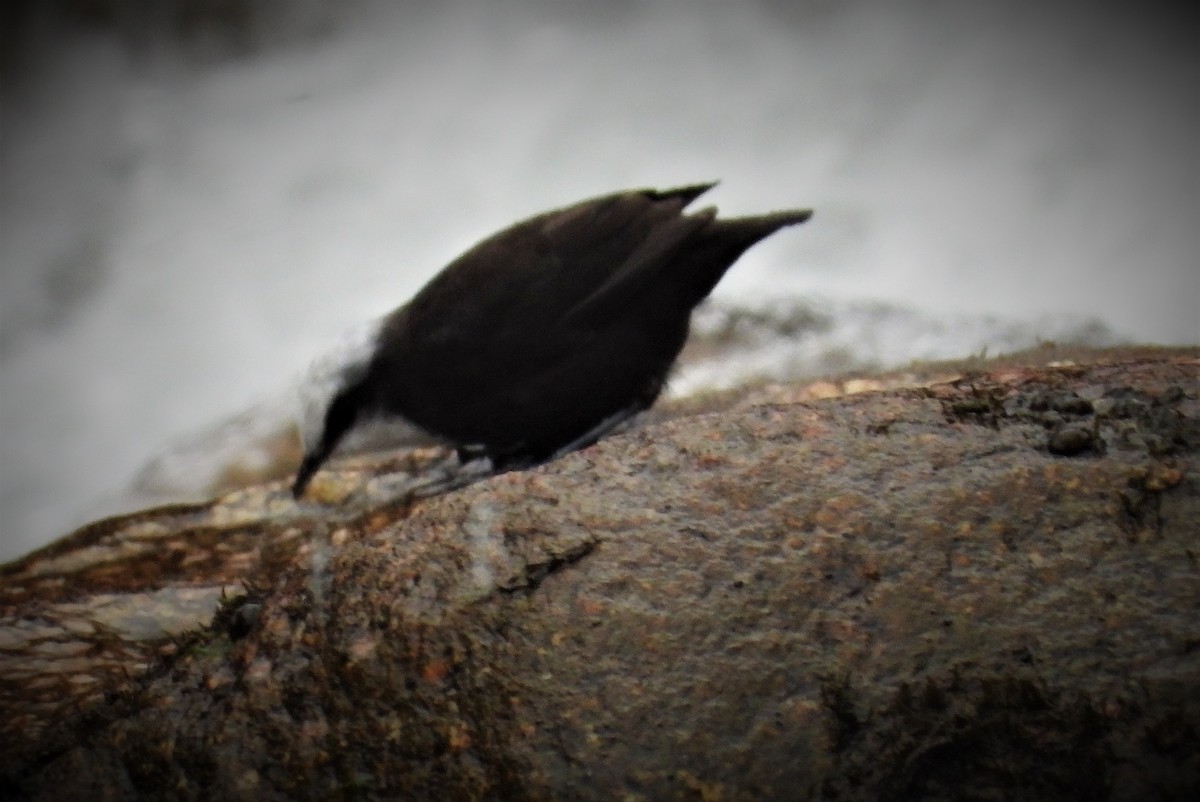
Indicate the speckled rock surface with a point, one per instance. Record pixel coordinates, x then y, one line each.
977 590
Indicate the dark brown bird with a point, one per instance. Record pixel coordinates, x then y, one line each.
544 336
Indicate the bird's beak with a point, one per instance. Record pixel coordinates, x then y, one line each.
303 476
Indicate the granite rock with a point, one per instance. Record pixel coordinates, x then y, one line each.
927 592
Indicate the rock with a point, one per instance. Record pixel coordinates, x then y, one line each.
1070 439
891 595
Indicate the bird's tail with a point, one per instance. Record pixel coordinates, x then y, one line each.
725 240
758 227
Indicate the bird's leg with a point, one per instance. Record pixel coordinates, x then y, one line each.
453 472
470 463
471 452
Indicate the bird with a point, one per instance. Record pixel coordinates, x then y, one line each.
541 338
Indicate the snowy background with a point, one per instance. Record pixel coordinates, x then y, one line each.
197 197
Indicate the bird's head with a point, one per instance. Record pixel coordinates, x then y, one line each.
334 397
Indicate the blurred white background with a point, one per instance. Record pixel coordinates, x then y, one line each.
197 197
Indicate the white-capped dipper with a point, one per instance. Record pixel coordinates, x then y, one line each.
543 337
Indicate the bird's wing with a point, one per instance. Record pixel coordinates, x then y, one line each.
630 277
596 257
566 270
